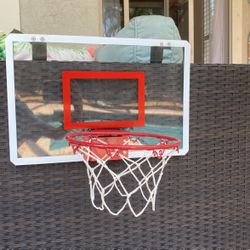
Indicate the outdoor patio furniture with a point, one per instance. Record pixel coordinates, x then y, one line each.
203 200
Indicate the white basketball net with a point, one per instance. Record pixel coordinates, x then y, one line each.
146 179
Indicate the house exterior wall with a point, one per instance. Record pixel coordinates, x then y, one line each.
246 30
9 17
240 29
61 17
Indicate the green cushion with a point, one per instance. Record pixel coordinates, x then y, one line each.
155 27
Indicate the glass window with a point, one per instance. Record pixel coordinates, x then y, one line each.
113 19
114 12
146 7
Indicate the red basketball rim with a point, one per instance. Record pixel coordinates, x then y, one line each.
171 141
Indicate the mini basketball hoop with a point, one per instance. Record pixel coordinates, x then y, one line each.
98 148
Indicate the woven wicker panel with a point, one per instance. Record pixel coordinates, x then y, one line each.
204 197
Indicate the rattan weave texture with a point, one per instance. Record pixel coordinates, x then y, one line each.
204 197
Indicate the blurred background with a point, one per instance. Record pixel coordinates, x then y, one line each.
218 30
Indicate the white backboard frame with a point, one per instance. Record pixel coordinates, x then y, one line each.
95 41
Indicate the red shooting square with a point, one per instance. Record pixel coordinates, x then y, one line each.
68 76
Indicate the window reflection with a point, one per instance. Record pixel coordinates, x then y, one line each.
112 16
